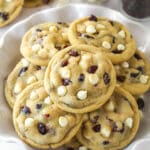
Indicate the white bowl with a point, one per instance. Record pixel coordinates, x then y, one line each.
9 55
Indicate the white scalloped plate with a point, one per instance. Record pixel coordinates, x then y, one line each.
9 55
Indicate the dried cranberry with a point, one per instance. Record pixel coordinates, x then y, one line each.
93 18
137 56
4 15
24 69
66 82
113 39
95 119
64 63
46 115
45 1
111 22
70 148
116 51
73 53
81 77
105 142
25 110
38 106
88 36
134 75
140 68
121 78
106 78
38 30
92 69
140 103
38 67
96 128
42 128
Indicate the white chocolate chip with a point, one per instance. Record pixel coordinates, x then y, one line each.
110 106
61 90
31 79
63 121
43 53
125 64
29 122
18 87
93 79
53 29
24 62
119 125
121 47
33 95
100 26
122 34
90 29
65 73
106 44
82 148
144 79
36 47
106 131
48 100
129 122
82 95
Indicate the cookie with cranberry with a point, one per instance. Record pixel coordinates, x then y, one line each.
24 74
134 74
80 78
114 125
9 10
112 36
43 41
35 3
39 122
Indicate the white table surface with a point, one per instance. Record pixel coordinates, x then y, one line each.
114 4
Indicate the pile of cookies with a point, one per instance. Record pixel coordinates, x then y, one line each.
77 85
10 9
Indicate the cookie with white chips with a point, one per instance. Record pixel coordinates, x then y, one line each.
43 41
112 36
134 74
9 10
80 78
24 74
39 122
114 125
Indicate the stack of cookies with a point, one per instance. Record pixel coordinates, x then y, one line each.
10 9
77 84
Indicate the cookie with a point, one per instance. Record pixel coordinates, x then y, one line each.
24 74
80 78
39 122
114 125
9 10
42 41
112 36
134 75
34 3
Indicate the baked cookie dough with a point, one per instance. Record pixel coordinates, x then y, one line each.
114 125
24 74
112 36
9 10
35 3
134 75
42 41
39 122
80 78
